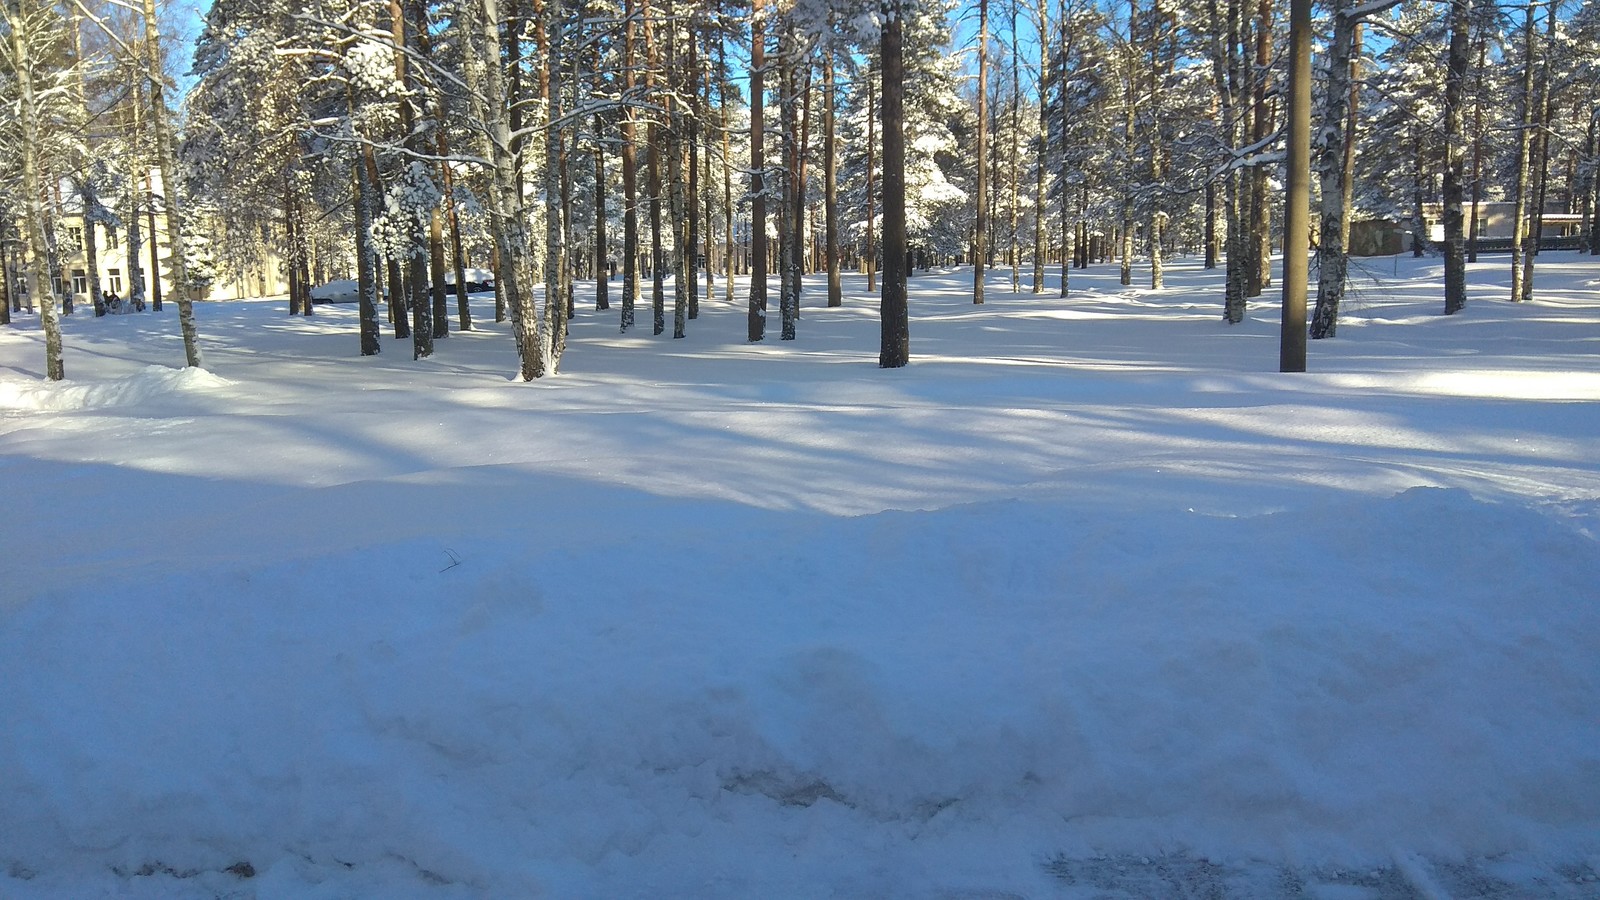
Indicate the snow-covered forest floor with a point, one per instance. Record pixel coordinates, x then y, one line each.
1087 602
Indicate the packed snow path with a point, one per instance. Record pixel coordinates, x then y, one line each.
1087 602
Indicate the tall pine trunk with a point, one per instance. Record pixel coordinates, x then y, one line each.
894 324
630 176
980 234
1455 261
655 140
1040 198
830 183
757 314
1260 196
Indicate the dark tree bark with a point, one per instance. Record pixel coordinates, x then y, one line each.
792 217
757 316
1477 150
1455 261
830 183
440 292
655 141
457 252
155 243
1297 200
894 319
630 177
416 261
602 281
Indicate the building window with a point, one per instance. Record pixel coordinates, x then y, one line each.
112 242
114 278
75 237
80 281
55 284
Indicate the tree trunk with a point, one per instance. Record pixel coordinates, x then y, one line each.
291 240
1297 200
87 193
1211 241
1418 193
1015 257
364 198
794 188
872 149
457 253
169 185
1519 192
655 141
1455 260
757 316
1477 150
1260 196
691 199
155 242
91 242
1351 127
1156 149
136 283
513 268
630 176
894 323
31 140
1066 126
553 333
1331 251
680 211
7 295
441 302
728 248
1040 198
980 234
830 184
1236 290
602 281
1541 154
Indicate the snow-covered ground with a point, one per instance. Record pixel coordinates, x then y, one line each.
1089 601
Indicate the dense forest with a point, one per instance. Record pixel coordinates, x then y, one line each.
661 148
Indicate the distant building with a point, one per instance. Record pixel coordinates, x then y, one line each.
1382 237
264 275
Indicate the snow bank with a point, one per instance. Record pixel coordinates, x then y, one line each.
917 692
17 395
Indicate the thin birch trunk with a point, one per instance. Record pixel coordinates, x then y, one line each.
31 138
169 185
